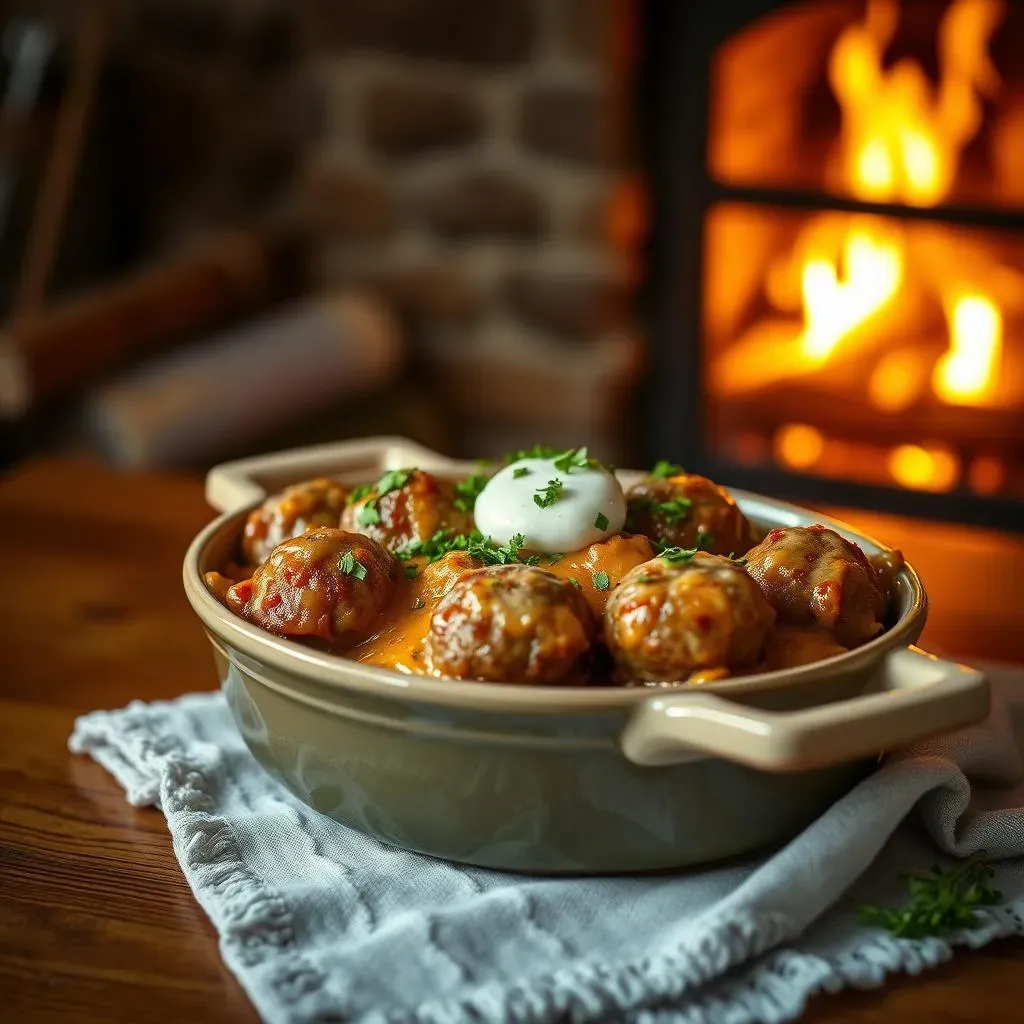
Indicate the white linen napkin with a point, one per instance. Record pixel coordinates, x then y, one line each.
321 923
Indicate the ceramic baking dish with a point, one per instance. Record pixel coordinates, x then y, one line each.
563 780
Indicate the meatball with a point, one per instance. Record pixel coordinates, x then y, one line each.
326 583
511 623
814 577
439 577
667 620
313 503
408 506
688 511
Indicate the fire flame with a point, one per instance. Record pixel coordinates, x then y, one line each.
901 143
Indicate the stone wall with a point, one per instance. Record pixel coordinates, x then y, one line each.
463 157
468 163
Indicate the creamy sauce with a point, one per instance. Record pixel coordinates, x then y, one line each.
586 498
792 646
399 643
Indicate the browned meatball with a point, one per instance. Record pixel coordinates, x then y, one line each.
282 516
327 583
667 620
510 624
411 506
686 509
439 577
812 576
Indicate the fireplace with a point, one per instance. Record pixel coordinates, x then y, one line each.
836 262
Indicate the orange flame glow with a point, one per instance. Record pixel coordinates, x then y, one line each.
901 142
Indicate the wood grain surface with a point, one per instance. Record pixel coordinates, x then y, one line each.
96 922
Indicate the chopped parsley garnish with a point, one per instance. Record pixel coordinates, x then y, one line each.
350 567
547 495
486 551
673 510
601 581
574 458
359 492
420 603
537 451
475 544
741 561
644 579
411 571
468 490
368 515
675 555
664 468
520 471
601 522
705 540
393 480
575 582
940 902
555 556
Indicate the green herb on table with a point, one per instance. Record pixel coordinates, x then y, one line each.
350 567
601 581
547 495
359 492
601 522
520 471
940 902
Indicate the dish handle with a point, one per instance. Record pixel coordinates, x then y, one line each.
920 695
232 486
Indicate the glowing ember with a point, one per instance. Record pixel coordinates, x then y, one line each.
798 445
967 373
924 469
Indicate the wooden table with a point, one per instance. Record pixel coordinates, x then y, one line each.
96 923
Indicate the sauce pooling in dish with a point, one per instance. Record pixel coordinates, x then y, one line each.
526 576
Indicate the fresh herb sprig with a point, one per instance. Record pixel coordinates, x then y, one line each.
673 554
672 510
391 480
474 543
940 902
537 451
490 553
547 495
663 468
468 490
574 458
350 567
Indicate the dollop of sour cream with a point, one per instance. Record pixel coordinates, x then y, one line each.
589 506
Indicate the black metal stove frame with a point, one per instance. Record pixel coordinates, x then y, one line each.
678 40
